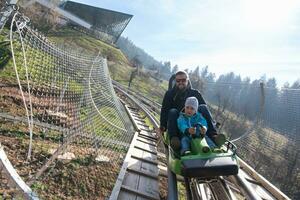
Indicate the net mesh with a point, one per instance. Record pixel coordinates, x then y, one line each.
62 125
264 123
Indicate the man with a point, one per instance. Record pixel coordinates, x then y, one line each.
173 103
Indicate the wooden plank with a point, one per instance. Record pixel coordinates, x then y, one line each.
149 147
140 181
139 119
144 154
154 162
141 127
147 136
137 192
146 149
134 112
149 151
136 115
132 108
149 186
266 184
126 195
149 168
163 171
133 177
131 118
141 198
150 133
145 129
144 167
130 180
146 141
149 175
121 176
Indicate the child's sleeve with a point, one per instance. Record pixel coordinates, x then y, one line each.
182 124
202 120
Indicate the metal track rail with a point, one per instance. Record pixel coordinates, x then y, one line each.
246 184
152 105
22 190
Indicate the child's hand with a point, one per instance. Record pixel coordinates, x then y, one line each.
203 130
192 130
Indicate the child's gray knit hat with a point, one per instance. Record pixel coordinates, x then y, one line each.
193 102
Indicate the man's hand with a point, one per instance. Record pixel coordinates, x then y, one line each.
192 130
161 130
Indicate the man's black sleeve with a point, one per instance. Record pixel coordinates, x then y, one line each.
200 98
164 110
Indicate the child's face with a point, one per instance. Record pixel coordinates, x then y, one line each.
188 110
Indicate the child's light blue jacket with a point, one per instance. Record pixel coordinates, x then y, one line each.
185 122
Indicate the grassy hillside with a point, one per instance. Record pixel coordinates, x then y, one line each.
88 45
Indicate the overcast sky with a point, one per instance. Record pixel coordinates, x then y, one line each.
248 37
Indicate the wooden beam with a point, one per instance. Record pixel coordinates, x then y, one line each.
149 151
266 184
147 142
142 173
137 192
145 160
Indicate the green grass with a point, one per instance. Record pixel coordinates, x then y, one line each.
120 72
89 45
37 186
181 190
101 127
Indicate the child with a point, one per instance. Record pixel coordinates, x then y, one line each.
191 123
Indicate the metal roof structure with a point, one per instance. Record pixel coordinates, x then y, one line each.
106 24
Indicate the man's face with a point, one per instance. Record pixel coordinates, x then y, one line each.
181 81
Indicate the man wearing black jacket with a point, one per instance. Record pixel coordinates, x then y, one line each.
173 103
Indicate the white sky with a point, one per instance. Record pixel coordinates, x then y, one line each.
248 37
